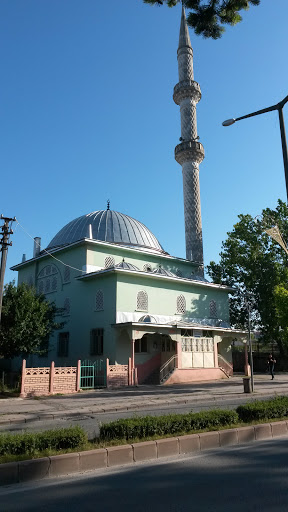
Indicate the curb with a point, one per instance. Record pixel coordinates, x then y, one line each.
60 465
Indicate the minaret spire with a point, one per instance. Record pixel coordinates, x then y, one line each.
190 152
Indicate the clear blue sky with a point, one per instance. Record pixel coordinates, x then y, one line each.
87 114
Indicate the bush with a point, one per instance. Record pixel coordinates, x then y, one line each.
264 410
31 443
171 424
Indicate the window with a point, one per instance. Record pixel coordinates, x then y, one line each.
142 301
109 262
66 274
213 309
181 305
147 267
54 284
178 273
96 342
66 307
141 345
47 286
63 344
99 301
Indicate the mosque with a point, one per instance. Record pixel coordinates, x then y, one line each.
122 295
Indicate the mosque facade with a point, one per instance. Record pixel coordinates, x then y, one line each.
122 296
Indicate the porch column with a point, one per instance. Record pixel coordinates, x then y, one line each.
179 353
215 353
133 353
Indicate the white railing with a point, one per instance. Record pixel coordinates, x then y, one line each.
167 368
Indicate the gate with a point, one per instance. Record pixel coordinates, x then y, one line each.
93 374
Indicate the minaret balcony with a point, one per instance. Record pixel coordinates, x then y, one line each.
188 151
186 89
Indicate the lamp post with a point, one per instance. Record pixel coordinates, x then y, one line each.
279 106
247 303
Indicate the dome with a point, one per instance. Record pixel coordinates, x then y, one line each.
127 266
163 272
107 226
148 319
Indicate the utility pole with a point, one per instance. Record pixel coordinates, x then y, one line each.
4 243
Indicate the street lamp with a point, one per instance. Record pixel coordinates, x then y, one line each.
247 300
279 106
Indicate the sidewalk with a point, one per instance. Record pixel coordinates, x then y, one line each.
18 410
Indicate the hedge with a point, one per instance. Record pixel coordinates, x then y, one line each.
171 424
31 443
264 410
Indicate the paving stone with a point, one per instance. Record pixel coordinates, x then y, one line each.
9 473
35 469
145 451
64 464
168 447
93 459
279 428
209 440
189 444
118 455
246 435
228 437
263 431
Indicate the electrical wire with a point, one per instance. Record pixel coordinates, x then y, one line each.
48 253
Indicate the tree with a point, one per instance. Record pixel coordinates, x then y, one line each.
208 17
27 320
253 263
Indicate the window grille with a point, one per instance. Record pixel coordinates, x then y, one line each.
142 301
179 273
213 309
197 345
47 286
66 274
109 262
67 307
63 344
48 270
147 267
54 284
99 301
96 342
181 304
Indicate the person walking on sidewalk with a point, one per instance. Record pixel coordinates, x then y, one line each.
271 363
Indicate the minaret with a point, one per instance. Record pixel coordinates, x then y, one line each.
190 152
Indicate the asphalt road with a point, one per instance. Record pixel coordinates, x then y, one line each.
251 478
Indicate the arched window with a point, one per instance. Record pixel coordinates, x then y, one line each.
181 304
213 309
67 307
47 281
99 301
142 301
66 274
109 262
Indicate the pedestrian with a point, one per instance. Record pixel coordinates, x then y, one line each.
271 362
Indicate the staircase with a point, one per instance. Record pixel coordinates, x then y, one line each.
167 369
225 366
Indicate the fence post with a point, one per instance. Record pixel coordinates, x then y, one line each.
107 373
78 374
129 372
51 377
22 393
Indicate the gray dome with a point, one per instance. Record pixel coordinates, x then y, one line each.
107 226
163 272
127 266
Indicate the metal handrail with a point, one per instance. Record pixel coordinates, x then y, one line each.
168 367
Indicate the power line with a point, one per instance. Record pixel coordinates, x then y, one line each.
47 252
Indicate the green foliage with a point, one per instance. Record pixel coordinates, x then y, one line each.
207 18
171 424
31 443
264 409
27 320
254 263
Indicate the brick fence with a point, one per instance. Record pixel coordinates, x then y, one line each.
66 379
